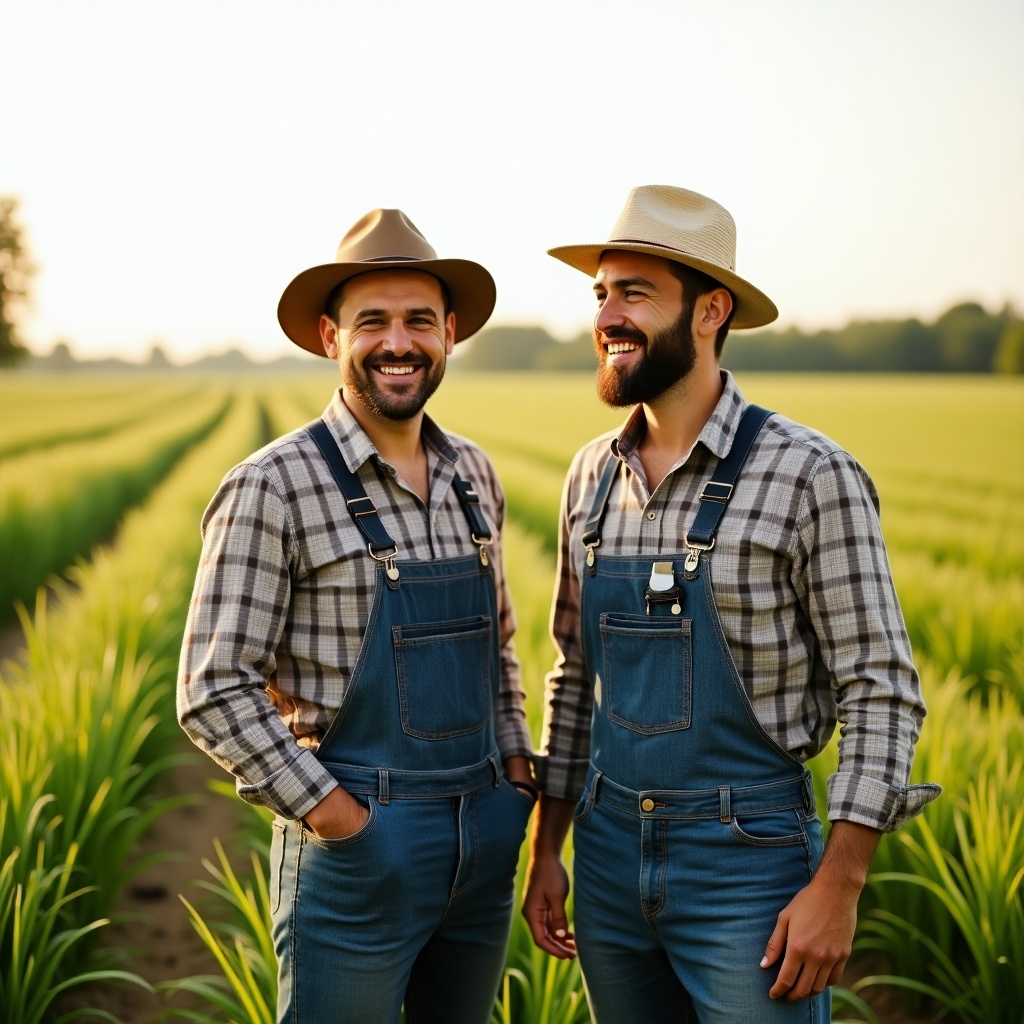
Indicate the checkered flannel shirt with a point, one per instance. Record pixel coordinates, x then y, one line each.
803 589
283 593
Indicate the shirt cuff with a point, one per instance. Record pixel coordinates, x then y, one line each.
869 801
559 777
292 790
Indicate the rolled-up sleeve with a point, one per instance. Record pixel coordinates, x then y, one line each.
235 622
843 579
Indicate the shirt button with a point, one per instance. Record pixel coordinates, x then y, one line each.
647 804
652 516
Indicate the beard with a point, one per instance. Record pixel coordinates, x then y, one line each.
663 361
404 401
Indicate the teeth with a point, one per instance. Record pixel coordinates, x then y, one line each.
615 347
396 370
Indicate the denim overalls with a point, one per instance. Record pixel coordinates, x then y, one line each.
695 828
416 905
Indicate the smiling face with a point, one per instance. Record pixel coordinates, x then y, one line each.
643 328
391 338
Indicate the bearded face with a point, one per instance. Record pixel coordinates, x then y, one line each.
662 360
378 383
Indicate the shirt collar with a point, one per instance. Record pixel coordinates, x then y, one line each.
356 446
716 435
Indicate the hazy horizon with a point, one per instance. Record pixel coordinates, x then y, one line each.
178 164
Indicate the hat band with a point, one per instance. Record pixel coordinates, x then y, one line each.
662 245
394 259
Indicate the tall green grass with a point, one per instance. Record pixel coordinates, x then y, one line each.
89 728
55 505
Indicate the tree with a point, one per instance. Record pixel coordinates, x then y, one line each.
1009 357
15 273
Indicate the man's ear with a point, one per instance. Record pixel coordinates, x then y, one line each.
329 335
713 310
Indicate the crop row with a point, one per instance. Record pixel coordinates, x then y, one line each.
943 906
89 727
56 504
30 422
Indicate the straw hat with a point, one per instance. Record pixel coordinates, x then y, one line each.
685 227
383 240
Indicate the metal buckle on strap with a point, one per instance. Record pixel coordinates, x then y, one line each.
388 560
693 550
713 490
371 511
482 543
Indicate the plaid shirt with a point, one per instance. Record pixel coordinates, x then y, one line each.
283 594
803 589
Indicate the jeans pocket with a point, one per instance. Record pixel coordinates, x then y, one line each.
350 840
648 672
773 828
444 676
584 806
278 851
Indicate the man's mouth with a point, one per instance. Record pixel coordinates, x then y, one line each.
396 371
614 348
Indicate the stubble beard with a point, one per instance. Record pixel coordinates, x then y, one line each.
404 405
663 361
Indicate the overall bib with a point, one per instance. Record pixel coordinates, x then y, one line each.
416 905
695 828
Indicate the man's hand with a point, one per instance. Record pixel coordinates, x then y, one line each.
547 888
815 930
547 883
338 816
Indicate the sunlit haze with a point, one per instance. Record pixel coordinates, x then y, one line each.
178 163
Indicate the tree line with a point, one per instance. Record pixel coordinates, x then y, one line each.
964 339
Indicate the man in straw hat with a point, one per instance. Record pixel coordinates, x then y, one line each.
723 597
348 655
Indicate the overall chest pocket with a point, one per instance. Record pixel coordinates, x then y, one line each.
647 680
444 676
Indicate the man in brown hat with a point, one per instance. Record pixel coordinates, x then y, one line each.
348 655
723 598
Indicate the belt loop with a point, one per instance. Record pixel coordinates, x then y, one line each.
724 804
594 784
383 786
810 804
497 771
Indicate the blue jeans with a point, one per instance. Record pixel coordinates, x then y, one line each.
673 912
413 908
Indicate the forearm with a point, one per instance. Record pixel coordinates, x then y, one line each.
847 858
550 827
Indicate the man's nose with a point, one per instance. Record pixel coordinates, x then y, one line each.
609 315
397 339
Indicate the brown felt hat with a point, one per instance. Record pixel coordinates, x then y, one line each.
383 240
686 227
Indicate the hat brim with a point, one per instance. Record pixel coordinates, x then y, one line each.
470 287
752 307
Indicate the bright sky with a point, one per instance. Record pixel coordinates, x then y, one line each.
179 162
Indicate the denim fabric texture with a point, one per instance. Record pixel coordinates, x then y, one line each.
413 909
695 828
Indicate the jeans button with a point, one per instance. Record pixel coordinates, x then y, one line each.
647 804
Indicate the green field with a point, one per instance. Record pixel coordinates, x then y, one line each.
102 482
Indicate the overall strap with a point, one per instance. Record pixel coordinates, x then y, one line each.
715 494
592 527
470 502
364 512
